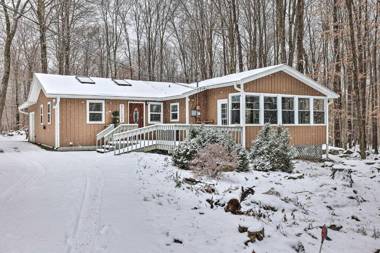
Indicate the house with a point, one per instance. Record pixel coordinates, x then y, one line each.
69 111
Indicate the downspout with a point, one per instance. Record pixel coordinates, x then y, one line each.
57 123
21 111
242 110
329 102
187 110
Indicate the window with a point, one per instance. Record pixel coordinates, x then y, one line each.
235 109
252 109
155 113
95 111
304 111
41 114
270 110
174 112
287 110
85 79
49 113
223 114
319 111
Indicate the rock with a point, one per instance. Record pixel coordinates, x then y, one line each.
299 248
355 218
233 206
335 227
246 192
177 241
271 191
301 176
348 152
334 151
209 189
255 235
370 163
191 181
1 150
242 229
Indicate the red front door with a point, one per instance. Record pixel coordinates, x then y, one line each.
136 114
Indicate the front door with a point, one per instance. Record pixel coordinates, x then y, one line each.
136 114
222 112
32 133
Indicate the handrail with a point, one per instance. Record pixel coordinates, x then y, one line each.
102 133
121 128
163 136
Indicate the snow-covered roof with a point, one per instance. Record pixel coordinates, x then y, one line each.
70 86
250 75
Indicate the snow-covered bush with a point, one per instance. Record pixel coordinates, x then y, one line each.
213 159
200 138
271 150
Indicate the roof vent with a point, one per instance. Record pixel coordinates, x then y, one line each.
85 79
121 82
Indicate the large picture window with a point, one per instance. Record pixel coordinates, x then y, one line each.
287 104
252 109
304 111
319 111
155 113
174 112
270 110
235 109
95 111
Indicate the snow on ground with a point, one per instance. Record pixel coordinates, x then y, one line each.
90 202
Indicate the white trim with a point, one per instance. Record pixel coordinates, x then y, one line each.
57 118
187 99
48 114
312 111
144 111
219 104
162 109
178 112
41 118
122 112
32 127
279 105
88 112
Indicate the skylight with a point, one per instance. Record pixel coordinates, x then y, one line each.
121 82
85 79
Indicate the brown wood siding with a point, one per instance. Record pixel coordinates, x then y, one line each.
44 134
208 100
182 110
74 128
280 83
300 135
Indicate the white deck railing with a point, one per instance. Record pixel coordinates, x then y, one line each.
163 137
104 138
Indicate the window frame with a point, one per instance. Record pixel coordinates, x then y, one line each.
48 113
160 113
276 110
259 110
310 110
294 109
324 111
230 108
88 112
41 114
171 112
279 108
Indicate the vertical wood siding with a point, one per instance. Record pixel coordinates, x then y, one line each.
182 110
280 83
74 128
300 135
45 136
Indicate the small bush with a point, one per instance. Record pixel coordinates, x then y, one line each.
214 159
199 138
271 150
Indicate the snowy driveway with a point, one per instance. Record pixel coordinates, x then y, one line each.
86 202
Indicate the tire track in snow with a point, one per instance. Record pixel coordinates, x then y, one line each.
87 224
